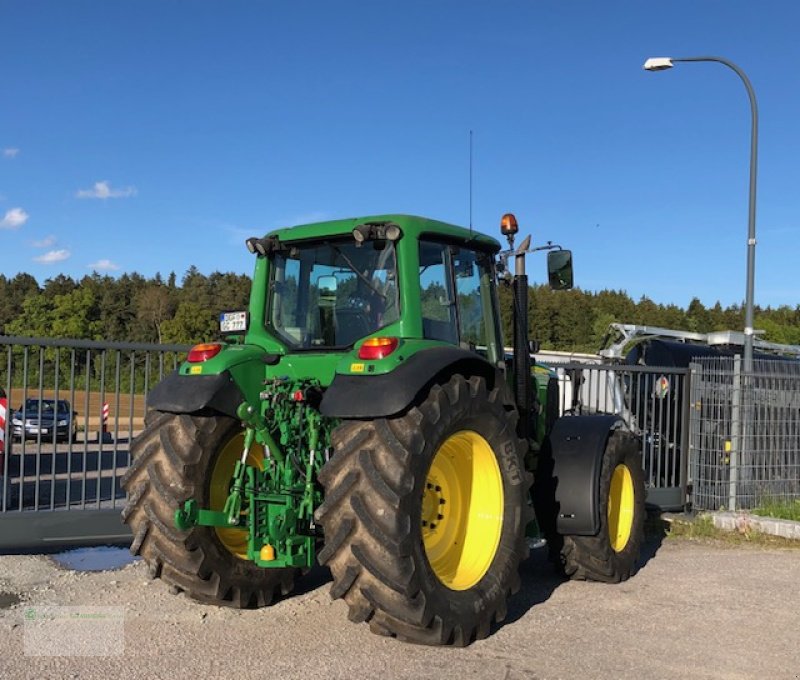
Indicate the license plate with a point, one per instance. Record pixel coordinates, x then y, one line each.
233 322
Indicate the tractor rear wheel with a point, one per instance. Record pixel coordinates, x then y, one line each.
425 513
177 457
611 555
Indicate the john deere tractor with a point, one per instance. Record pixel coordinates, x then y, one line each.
363 414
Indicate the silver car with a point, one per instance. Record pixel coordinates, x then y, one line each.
41 419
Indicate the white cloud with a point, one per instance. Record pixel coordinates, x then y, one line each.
103 190
103 266
52 256
14 219
46 242
10 153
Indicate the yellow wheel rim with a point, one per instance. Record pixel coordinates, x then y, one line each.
462 510
234 539
620 508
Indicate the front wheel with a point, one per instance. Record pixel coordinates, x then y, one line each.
424 515
611 555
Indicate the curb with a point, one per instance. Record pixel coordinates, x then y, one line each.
743 522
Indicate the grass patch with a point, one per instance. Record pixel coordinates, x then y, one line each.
699 527
779 509
702 529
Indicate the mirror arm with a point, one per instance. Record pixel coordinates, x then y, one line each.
505 254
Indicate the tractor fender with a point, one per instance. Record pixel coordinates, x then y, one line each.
192 393
575 446
383 395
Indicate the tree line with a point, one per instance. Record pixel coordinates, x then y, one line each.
578 320
130 308
134 308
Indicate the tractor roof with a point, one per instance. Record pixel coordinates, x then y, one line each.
411 225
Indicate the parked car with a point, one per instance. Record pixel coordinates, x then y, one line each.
39 418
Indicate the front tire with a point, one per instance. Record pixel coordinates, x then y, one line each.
611 556
425 513
177 457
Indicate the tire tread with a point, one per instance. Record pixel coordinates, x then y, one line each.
169 465
368 513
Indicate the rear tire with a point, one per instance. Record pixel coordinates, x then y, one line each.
174 459
425 513
611 556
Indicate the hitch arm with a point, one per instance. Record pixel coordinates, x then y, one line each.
190 516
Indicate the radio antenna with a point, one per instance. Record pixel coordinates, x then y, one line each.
470 183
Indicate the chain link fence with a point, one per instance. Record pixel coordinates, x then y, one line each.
744 433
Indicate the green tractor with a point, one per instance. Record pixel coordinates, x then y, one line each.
364 414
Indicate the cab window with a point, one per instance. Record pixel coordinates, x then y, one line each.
456 296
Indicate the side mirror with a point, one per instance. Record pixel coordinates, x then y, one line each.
465 270
327 286
559 269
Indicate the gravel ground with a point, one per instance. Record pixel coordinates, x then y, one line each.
695 609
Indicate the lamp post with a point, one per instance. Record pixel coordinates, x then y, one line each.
664 63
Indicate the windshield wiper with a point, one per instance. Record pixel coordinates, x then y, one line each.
358 273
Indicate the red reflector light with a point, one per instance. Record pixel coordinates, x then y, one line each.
298 395
377 348
203 352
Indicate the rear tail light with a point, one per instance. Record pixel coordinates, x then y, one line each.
377 348
203 352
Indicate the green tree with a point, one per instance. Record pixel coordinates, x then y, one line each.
191 324
76 315
154 306
196 288
59 285
35 318
13 293
698 318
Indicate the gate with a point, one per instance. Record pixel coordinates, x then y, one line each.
653 402
73 407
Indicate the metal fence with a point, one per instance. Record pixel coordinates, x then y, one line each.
744 433
654 404
710 435
73 408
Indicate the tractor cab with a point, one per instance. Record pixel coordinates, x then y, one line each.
408 282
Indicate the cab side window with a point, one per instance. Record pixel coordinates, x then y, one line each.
437 299
471 300
456 296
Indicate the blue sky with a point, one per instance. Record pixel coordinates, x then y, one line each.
152 136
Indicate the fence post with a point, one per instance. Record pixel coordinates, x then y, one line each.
736 433
688 428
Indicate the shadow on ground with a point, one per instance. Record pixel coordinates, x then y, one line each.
314 578
655 531
540 578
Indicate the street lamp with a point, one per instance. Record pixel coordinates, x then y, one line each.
664 63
